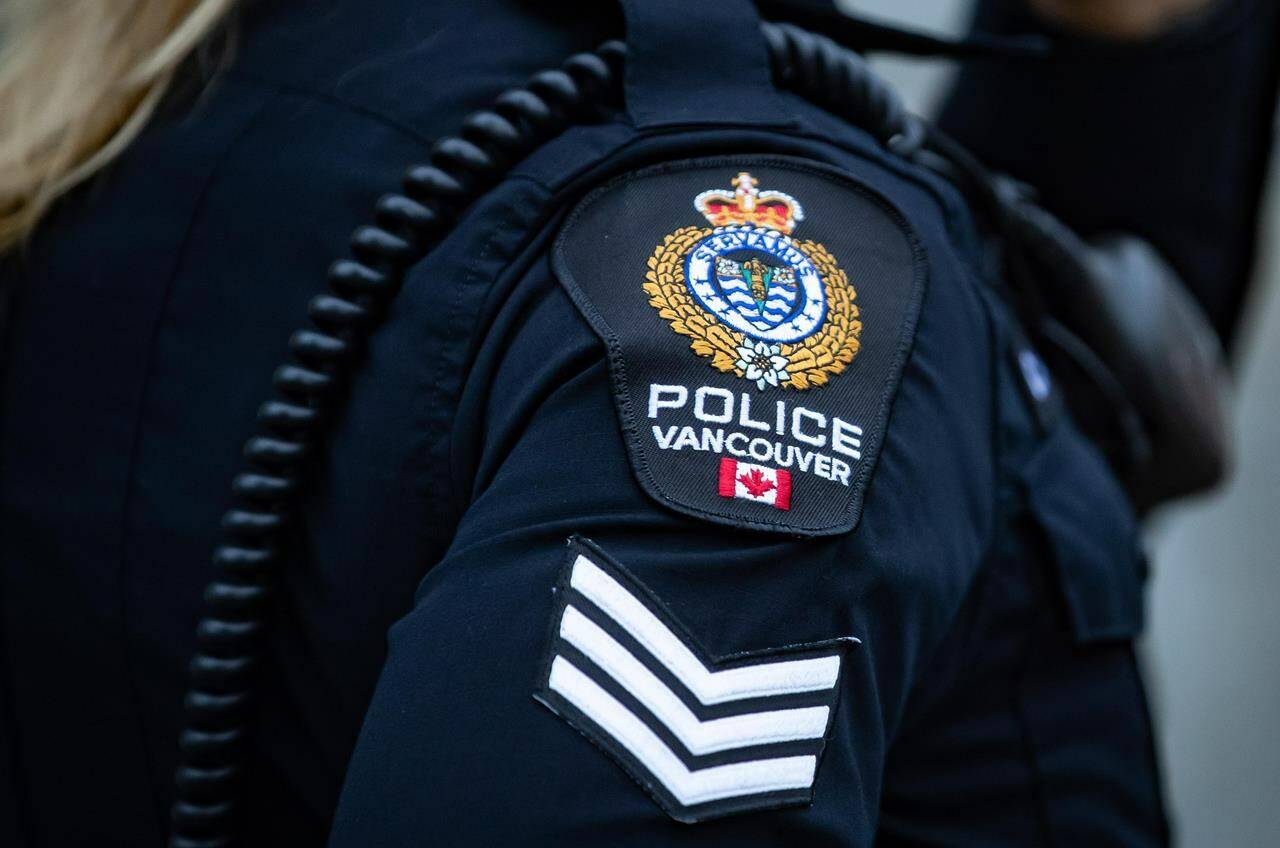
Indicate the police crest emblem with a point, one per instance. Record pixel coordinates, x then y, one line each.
752 383
773 310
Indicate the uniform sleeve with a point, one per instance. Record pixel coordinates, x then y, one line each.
587 666
1169 139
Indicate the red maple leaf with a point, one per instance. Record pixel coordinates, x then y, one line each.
755 482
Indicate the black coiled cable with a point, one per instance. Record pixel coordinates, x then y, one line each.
267 490
840 81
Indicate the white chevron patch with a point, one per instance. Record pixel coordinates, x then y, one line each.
705 737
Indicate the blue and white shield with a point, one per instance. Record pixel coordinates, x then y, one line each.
765 294
757 281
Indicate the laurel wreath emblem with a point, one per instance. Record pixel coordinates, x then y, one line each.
812 361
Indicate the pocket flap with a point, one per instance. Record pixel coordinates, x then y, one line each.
1092 534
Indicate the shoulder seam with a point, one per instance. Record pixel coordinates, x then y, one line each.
329 100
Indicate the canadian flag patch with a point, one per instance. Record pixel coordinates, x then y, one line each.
758 483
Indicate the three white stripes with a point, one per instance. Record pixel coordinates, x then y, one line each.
710 687
688 787
700 737
766 678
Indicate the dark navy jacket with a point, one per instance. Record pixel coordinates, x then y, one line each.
992 582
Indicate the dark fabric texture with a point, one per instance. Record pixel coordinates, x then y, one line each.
396 705
148 316
676 76
1168 138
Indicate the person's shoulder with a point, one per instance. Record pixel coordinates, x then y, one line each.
421 66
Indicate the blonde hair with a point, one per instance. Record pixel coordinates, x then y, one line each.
78 81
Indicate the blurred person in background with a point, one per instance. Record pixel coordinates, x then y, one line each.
934 649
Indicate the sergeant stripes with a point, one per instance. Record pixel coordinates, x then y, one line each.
706 738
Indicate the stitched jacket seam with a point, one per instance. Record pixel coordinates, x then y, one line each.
179 262
314 96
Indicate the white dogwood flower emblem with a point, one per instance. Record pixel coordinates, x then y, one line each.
762 363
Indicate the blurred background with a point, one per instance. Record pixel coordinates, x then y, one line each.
1213 637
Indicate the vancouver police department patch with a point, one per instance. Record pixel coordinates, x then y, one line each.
758 312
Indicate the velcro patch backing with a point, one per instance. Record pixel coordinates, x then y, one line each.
758 312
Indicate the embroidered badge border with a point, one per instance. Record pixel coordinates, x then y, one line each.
878 251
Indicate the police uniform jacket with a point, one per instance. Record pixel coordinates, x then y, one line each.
698 489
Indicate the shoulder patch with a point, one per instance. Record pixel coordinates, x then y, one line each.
705 737
758 312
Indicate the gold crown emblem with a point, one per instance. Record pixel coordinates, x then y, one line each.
747 205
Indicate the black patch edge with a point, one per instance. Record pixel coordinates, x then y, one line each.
618 369
586 727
